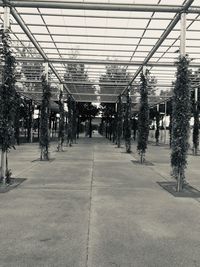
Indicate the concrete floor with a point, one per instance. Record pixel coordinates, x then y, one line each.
92 207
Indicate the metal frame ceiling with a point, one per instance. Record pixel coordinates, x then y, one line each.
124 34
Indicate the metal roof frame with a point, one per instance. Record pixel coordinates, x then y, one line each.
151 54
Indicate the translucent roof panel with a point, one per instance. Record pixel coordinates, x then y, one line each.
86 47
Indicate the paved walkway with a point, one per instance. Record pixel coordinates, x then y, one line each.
93 207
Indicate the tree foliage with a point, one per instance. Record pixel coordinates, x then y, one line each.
7 102
108 114
61 131
44 119
180 123
127 123
76 72
119 121
143 118
195 109
113 74
70 120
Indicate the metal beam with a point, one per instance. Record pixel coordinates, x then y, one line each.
161 40
102 62
99 6
34 42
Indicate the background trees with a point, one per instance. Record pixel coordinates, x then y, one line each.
87 112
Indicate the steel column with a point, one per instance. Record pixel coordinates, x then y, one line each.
183 34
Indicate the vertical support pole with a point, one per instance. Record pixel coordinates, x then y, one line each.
196 95
182 54
183 34
119 121
196 123
157 130
6 18
6 25
128 123
165 123
31 112
46 70
44 119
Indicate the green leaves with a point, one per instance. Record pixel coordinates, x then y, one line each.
44 119
143 118
61 131
181 116
7 93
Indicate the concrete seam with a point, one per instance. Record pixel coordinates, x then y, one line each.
89 212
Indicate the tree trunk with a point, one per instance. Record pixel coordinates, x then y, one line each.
78 127
3 166
44 155
179 185
90 127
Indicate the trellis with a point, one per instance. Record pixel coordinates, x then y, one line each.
147 44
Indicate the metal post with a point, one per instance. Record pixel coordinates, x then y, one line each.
165 123
196 95
46 70
61 87
6 19
183 34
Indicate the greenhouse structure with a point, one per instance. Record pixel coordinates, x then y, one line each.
99 133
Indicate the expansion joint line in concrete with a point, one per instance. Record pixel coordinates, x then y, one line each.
89 212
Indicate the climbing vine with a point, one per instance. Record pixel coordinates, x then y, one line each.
74 121
195 134
70 121
44 119
127 122
119 121
157 132
61 131
143 118
180 123
7 102
195 109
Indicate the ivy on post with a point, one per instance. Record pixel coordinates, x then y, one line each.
143 117
61 131
195 134
180 123
7 99
30 121
74 121
127 134
119 121
157 132
17 118
70 122
44 117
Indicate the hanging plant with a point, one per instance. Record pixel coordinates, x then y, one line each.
143 118
127 121
180 123
7 103
61 131
119 121
44 119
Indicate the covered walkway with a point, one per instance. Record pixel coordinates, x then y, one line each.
94 206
